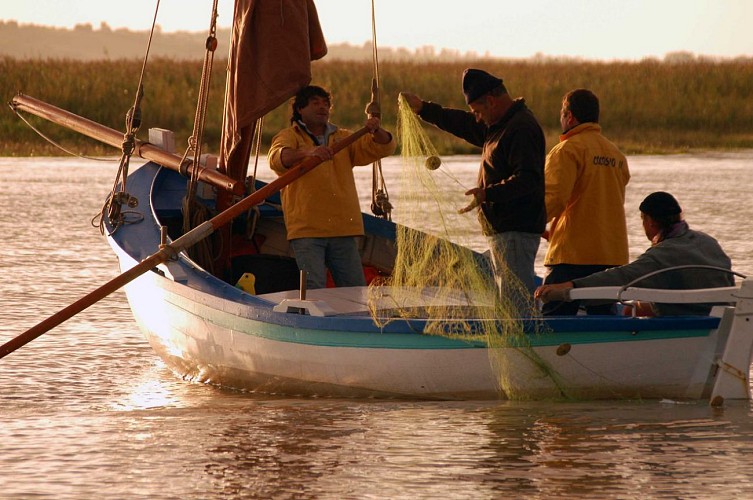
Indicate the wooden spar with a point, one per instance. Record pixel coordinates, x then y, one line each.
114 138
168 251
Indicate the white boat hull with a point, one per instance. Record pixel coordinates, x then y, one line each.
211 332
206 339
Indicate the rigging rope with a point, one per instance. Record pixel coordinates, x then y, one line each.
197 135
252 217
113 205
52 141
195 212
380 199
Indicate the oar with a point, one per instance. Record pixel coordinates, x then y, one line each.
190 238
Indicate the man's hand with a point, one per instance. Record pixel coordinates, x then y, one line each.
558 292
381 136
372 124
415 102
479 196
290 157
324 153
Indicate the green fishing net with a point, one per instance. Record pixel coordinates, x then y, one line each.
437 277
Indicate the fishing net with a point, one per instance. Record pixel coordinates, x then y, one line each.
439 278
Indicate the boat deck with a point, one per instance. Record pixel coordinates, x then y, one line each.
356 300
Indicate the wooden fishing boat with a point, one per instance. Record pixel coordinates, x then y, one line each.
276 338
208 330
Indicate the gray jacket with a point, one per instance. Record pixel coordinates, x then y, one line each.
686 247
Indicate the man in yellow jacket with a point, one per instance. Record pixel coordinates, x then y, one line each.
586 176
321 209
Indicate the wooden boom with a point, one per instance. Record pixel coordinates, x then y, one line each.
114 138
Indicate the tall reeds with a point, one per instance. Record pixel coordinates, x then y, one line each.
646 106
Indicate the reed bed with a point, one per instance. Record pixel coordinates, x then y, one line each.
647 107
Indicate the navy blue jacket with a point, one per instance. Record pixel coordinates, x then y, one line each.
512 165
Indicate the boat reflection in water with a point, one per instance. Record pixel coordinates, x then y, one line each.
81 405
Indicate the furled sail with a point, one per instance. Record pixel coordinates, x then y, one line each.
273 44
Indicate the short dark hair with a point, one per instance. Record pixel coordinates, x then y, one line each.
301 99
583 104
663 208
666 221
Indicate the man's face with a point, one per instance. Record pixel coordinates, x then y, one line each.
481 109
566 117
316 112
650 227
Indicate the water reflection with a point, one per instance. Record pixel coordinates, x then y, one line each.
618 449
147 393
279 451
88 408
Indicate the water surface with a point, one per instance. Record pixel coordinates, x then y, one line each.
88 411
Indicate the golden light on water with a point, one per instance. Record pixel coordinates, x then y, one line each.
149 392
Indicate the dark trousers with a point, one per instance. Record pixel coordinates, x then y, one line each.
560 273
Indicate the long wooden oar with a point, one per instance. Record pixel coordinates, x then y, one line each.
190 238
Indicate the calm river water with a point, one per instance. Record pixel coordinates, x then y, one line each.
88 411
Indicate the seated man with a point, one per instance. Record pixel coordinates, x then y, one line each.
673 243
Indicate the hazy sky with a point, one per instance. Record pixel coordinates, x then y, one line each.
593 29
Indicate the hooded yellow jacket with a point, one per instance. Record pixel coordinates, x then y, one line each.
324 202
585 178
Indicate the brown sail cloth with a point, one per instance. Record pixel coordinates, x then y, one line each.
273 44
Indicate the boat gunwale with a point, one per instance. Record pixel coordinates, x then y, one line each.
547 331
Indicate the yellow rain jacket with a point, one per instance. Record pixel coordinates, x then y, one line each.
324 202
586 177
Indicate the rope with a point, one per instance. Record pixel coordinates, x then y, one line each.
195 212
53 142
113 205
252 217
380 199
197 136
374 55
258 127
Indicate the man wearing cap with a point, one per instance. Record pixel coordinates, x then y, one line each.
673 243
586 176
510 190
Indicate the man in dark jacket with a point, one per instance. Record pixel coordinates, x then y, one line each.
673 244
510 190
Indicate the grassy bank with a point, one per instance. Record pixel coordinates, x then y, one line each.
647 107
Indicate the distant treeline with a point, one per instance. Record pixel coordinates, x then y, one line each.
87 43
647 106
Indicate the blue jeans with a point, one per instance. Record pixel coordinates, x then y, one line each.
514 251
340 255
